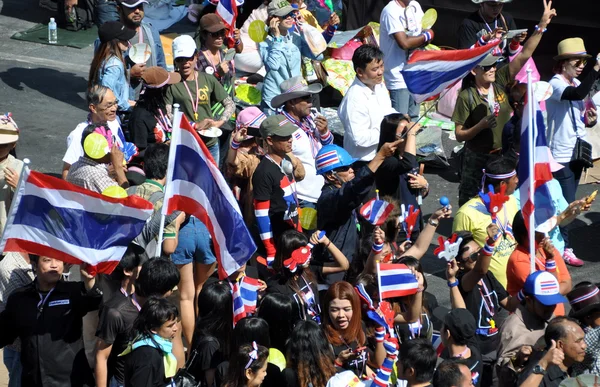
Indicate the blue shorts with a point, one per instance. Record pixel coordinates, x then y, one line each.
194 244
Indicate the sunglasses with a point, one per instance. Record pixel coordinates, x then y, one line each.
473 256
343 169
183 59
280 138
218 34
488 68
306 98
292 14
579 63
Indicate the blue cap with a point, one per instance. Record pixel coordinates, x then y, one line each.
544 287
331 157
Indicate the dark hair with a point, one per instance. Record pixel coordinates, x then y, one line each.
134 256
310 355
281 313
157 277
516 92
388 128
447 374
236 373
289 241
251 329
156 161
364 55
414 263
152 100
344 291
215 315
419 355
104 52
558 66
87 131
467 237
557 329
155 312
497 166
519 230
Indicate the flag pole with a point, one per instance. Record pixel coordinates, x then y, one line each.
531 163
163 213
430 108
378 280
15 203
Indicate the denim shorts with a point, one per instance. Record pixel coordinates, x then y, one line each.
194 244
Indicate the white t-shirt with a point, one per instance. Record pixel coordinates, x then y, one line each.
74 148
395 18
309 188
561 131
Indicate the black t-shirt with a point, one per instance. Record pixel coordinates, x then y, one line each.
471 28
270 183
114 326
290 377
487 335
388 175
143 130
422 328
208 356
274 377
474 363
359 364
144 367
308 304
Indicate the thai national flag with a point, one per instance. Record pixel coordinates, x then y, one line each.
196 186
53 218
428 73
395 280
376 211
228 11
544 207
245 295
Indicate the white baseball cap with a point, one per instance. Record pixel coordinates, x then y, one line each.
184 46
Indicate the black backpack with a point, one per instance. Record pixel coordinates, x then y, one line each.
80 18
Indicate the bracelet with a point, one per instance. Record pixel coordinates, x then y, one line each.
453 284
238 42
427 36
537 28
377 247
521 295
550 265
234 144
337 363
432 222
328 245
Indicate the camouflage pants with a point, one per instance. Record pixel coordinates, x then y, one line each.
471 174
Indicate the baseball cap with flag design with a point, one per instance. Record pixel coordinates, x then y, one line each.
331 157
544 287
277 125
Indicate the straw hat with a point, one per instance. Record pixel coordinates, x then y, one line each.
9 132
571 48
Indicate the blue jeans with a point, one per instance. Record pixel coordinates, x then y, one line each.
114 383
106 11
214 151
404 103
568 178
12 361
193 244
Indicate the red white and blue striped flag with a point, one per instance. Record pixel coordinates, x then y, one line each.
395 280
376 211
245 296
227 10
56 219
428 72
544 207
196 186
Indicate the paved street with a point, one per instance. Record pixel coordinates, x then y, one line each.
43 86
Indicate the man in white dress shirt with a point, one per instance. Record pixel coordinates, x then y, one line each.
365 104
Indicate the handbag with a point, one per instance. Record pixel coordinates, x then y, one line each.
582 152
183 377
314 71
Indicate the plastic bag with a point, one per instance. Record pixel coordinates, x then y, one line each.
315 40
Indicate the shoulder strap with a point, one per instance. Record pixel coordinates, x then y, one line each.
156 196
573 118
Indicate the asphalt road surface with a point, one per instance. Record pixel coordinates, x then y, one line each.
43 86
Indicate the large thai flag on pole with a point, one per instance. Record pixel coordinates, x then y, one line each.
196 186
395 280
534 169
428 73
56 219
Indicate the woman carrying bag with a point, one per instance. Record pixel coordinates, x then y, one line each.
568 118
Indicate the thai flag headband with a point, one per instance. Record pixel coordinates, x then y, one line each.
503 176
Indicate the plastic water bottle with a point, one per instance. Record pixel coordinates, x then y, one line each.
52 32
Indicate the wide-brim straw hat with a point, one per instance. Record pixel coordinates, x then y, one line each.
571 48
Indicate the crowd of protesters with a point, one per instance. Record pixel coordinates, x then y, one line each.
157 320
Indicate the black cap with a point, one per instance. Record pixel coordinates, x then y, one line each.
460 323
114 30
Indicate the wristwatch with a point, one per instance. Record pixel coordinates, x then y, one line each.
434 223
539 370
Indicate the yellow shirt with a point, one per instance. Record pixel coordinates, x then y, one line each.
474 217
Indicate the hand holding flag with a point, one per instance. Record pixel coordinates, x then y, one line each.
396 280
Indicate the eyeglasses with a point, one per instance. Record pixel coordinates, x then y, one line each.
218 34
343 169
579 63
108 106
487 68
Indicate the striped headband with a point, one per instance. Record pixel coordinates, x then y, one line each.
503 176
585 297
295 87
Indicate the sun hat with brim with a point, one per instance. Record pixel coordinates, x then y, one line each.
490 60
571 48
584 300
184 46
114 30
132 3
280 8
211 22
9 132
543 286
251 117
491 1
156 77
277 125
295 87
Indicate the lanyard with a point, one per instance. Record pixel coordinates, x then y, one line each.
43 300
140 35
135 303
488 302
124 292
307 125
194 106
209 59
163 122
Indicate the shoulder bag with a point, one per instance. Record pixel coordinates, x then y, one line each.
583 149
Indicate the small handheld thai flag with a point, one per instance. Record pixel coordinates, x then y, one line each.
376 211
369 307
395 280
245 295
